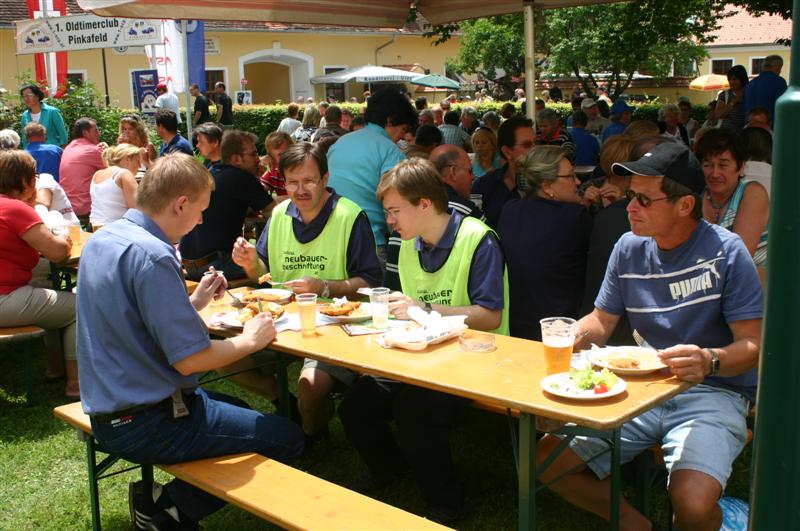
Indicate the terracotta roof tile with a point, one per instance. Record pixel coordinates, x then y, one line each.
745 29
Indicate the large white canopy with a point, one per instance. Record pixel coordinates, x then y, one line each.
366 74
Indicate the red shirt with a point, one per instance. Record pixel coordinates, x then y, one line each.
79 162
273 181
17 258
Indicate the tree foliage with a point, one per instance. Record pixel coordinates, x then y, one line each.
772 7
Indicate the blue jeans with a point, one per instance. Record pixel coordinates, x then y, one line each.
217 425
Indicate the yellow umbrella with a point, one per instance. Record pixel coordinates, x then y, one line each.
710 82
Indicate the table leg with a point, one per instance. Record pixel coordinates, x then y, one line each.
54 277
615 479
527 472
94 496
283 387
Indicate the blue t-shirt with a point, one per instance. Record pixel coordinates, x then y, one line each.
686 295
615 128
135 320
356 162
177 144
362 260
587 147
47 157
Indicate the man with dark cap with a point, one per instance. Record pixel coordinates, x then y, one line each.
691 290
621 114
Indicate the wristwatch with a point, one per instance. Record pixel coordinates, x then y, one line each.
714 362
428 307
326 289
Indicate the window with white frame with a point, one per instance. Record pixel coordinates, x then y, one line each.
721 66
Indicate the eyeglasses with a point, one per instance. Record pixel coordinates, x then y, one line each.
567 176
253 153
643 199
293 186
527 145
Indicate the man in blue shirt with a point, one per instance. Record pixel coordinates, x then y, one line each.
167 129
141 345
621 114
357 160
691 290
47 156
587 147
765 90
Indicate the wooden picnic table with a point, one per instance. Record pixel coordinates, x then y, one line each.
62 271
508 377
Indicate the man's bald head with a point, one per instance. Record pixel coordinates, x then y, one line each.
453 164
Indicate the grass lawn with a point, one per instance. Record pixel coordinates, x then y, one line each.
42 464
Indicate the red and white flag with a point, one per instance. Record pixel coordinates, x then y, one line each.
58 60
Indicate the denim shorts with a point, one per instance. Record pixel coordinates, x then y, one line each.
702 429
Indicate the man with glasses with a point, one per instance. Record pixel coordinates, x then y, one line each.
514 139
317 242
691 290
237 189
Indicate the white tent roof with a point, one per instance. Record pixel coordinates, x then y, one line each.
366 74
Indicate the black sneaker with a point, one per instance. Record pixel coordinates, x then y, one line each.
142 504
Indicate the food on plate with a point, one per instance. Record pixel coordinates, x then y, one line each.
341 308
254 296
265 278
633 358
585 380
251 310
624 363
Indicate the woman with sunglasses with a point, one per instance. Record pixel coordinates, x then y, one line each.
545 237
737 204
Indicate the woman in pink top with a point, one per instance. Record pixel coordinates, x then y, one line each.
23 237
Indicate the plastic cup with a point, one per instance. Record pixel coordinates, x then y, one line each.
75 233
307 308
379 305
558 336
60 230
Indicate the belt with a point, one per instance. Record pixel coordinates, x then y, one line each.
108 417
203 261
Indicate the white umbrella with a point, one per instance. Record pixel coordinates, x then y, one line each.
366 74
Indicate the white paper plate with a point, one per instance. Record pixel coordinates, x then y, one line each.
364 314
284 294
393 338
231 320
561 384
602 358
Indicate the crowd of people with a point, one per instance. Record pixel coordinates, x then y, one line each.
662 231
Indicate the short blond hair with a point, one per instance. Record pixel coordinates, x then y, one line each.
415 179
116 154
618 148
538 166
170 177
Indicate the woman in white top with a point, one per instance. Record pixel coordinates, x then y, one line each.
113 189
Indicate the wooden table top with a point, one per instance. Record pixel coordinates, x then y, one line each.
509 376
77 249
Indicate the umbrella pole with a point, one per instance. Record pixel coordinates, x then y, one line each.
530 84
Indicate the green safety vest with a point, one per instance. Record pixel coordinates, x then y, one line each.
449 285
323 257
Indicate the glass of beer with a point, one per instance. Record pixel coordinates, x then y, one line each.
379 305
75 233
558 336
307 307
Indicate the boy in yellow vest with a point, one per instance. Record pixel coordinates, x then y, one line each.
317 242
449 263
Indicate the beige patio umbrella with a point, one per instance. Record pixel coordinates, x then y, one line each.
709 82
371 13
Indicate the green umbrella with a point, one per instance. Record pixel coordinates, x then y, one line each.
436 81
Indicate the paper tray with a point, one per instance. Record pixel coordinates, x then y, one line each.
419 345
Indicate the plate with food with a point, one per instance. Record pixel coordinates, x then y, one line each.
237 319
627 360
345 311
281 296
585 384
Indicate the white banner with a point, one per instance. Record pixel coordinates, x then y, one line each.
168 56
84 32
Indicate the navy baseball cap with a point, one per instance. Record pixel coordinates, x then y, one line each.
670 159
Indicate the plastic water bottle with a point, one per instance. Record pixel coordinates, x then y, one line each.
735 513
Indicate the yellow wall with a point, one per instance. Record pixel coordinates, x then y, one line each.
743 55
268 81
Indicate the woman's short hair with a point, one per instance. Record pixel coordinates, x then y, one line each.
718 141
758 143
138 124
668 108
538 166
113 155
311 116
276 139
300 152
9 139
415 179
38 92
488 134
616 149
17 170
170 177
641 128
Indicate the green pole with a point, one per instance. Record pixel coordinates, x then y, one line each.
775 494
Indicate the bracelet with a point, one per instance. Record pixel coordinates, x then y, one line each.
714 362
428 307
326 289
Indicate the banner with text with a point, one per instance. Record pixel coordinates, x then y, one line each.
84 32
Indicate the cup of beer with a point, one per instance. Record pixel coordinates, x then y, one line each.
307 308
558 336
75 233
379 305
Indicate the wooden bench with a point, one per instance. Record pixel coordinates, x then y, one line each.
266 488
27 335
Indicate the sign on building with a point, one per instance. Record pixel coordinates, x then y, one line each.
84 32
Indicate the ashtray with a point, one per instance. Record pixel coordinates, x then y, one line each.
472 341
